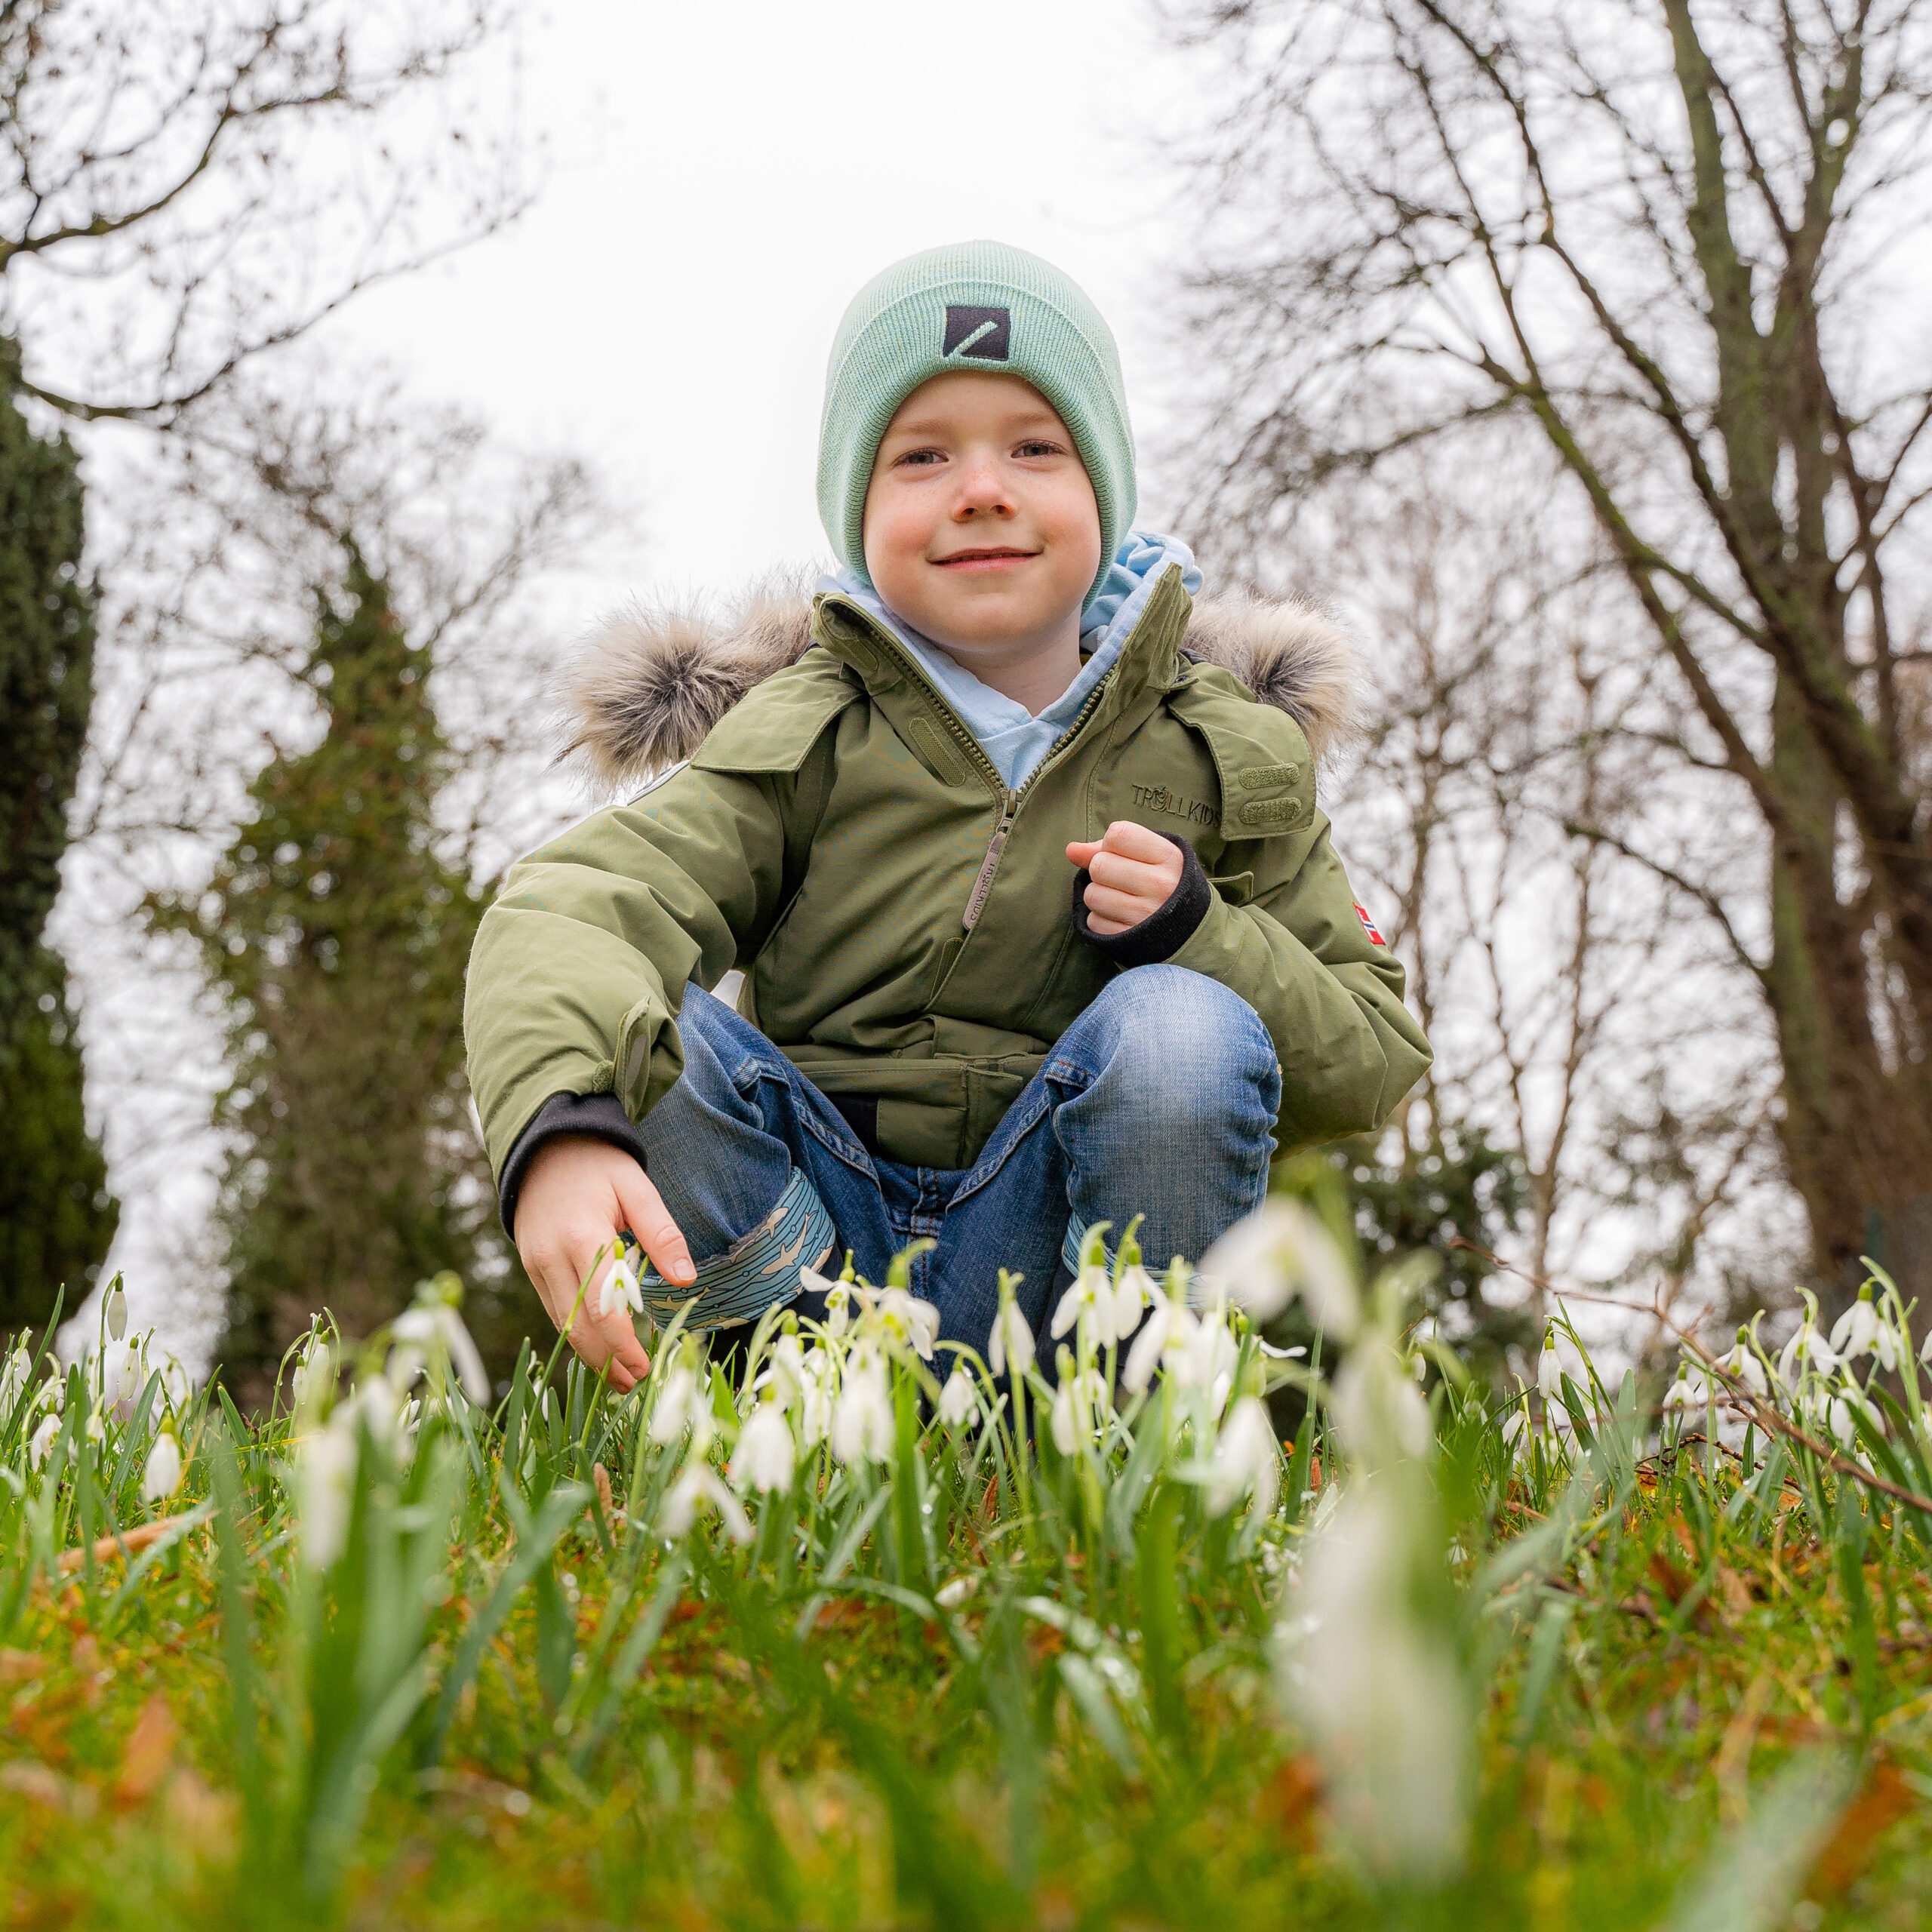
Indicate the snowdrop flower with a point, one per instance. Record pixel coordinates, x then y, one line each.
96 1431
1279 1250
1206 1361
958 1403
1808 1350
162 1476
838 1299
1163 1336
1012 1340
1925 1351
818 1380
909 1319
1743 1362
1378 1686
325 1488
1549 1369
1091 1298
1861 1330
176 1386
117 1310
680 1403
313 1375
14 1379
784 1372
697 1487
765 1457
1078 1400
1691 1390
861 1419
950 1596
436 1326
1246 1455
1842 1426
1132 1294
118 1376
1380 1412
621 1288
41 1442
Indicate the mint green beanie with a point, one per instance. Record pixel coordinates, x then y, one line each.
974 305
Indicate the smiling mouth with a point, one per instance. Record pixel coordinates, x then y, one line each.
996 554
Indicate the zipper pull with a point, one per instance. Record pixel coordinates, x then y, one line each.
983 885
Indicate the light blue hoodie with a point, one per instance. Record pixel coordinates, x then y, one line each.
1011 736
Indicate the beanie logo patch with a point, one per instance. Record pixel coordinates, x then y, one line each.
978 334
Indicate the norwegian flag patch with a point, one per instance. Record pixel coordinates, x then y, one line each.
1369 927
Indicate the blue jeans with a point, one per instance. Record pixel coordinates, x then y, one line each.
1158 1100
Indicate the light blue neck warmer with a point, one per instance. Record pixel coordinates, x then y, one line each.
1011 736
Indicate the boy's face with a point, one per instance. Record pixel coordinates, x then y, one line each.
981 529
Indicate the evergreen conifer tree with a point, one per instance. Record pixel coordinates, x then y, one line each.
338 937
56 1217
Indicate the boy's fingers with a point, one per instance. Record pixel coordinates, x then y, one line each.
1081 850
1134 875
599 1339
1125 908
629 1362
1136 841
646 1217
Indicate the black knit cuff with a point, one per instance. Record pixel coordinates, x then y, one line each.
1164 932
564 1116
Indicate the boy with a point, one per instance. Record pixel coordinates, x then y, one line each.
1039 924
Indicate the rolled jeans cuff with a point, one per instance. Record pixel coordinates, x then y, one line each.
1076 1239
758 1271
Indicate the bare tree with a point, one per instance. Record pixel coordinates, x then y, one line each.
223 545
1578 1017
1663 240
181 188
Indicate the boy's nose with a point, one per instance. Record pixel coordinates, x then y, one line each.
982 489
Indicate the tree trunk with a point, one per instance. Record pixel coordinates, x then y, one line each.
1854 1130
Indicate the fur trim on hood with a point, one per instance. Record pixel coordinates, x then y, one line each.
652 681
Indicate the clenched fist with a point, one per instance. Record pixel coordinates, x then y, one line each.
1135 873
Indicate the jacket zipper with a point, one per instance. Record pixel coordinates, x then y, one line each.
983 885
1009 800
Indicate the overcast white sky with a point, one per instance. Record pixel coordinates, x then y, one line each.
722 180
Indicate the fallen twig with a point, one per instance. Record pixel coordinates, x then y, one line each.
1744 1402
128 1543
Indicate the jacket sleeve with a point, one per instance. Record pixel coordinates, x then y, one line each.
580 966
1299 953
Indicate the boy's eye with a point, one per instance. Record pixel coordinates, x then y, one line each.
1039 446
920 457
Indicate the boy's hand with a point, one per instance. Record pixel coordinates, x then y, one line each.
1135 872
577 1198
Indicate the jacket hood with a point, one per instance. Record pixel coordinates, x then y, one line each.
652 680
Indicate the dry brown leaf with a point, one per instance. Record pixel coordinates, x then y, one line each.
1737 1592
204 1818
1885 1799
1292 1802
35 1782
132 1540
150 1749
16 1667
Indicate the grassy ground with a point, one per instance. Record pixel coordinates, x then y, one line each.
511 1699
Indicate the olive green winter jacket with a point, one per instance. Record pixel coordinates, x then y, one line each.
904 922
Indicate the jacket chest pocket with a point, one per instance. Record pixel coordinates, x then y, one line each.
1263 768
